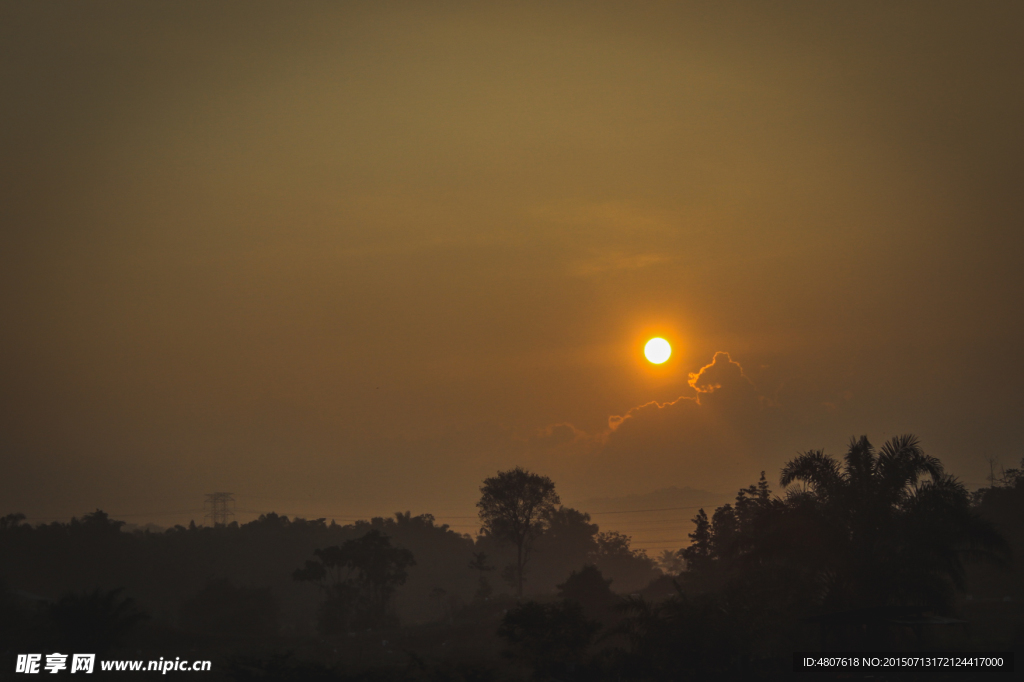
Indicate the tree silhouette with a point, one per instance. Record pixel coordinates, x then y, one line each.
671 561
568 542
358 579
513 506
591 590
94 621
11 521
551 638
684 637
222 607
881 533
1002 503
439 595
479 563
698 554
631 568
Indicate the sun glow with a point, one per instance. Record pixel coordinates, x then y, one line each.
657 350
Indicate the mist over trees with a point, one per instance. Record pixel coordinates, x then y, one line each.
262 574
880 549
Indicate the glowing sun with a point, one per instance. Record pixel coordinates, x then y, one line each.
657 350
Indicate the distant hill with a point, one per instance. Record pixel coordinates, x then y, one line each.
662 498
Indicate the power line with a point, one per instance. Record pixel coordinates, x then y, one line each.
115 516
446 516
357 517
636 511
620 511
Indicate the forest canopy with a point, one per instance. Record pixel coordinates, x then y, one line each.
843 553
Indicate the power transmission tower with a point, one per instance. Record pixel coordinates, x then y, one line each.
219 507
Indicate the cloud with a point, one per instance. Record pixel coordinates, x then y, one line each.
558 435
701 438
723 370
723 377
616 420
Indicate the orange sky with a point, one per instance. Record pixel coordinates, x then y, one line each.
352 258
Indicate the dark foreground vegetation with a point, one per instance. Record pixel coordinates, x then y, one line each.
880 551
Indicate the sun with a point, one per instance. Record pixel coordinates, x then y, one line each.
657 350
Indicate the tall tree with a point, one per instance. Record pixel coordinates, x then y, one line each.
698 554
513 507
888 528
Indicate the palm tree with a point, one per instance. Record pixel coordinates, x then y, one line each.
881 529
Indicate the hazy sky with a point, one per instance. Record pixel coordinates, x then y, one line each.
351 258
